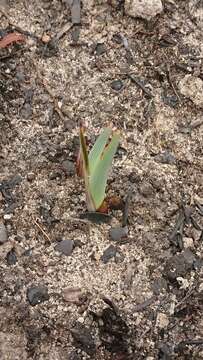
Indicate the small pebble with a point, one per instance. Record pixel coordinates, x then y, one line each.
37 295
3 234
65 247
11 257
188 242
73 295
162 320
109 253
118 233
96 217
45 38
8 216
165 158
100 49
117 85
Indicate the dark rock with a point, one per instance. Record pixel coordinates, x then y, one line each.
11 257
69 167
146 189
65 247
118 233
96 217
165 158
179 265
3 234
83 338
109 253
117 85
100 49
37 295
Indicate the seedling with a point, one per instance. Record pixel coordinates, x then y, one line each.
95 166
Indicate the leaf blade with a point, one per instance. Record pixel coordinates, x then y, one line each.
98 178
98 148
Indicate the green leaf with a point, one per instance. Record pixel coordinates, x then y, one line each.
98 177
98 148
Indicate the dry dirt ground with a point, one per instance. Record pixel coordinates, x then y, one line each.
140 297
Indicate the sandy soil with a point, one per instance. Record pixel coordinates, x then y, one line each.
139 298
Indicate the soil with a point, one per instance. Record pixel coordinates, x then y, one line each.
140 297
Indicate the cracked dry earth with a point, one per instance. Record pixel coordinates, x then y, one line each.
69 289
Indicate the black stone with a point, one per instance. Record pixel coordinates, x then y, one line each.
109 253
118 233
37 294
117 85
11 257
65 247
100 49
96 217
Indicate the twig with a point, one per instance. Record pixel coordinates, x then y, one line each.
140 85
171 82
43 232
189 293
